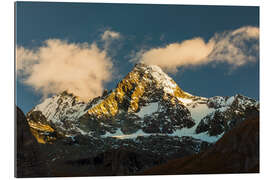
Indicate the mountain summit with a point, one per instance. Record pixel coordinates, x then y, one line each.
143 83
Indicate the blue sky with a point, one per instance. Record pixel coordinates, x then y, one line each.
141 27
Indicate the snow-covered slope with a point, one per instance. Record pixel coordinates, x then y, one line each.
62 108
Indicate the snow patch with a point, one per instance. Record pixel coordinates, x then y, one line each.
199 111
222 109
230 101
179 133
204 136
117 133
120 135
185 101
148 110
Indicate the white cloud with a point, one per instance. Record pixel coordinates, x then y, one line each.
236 48
59 65
109 35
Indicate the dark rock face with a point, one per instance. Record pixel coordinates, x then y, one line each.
215 125
86 156
236 152
29 161
123 161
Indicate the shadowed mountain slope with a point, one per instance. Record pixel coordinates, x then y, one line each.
29 158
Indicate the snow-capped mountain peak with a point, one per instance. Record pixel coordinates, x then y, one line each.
147 102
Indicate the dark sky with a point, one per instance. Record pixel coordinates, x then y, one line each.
142 26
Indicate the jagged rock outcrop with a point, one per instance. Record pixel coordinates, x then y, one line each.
229 112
